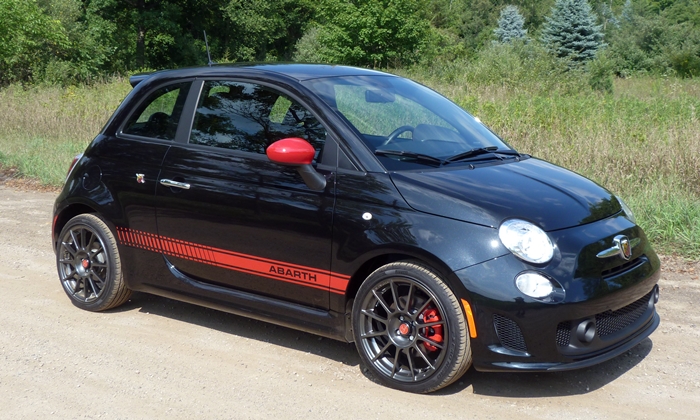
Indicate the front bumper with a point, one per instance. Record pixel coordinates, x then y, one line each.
609 305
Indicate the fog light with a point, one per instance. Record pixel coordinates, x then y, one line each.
585 332
656 294
534 285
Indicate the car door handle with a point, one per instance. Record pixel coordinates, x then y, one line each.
175 184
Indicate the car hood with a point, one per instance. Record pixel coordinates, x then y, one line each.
534 190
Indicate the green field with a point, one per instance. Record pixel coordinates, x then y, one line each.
642 142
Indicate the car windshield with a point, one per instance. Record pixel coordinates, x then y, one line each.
406 124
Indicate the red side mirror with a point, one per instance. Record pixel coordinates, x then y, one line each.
291 151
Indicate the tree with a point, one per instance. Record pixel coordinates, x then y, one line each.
27 38
375 33
510 25
570 31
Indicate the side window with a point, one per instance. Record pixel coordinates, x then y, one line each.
159 114
249 117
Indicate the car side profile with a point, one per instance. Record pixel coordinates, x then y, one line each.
359 206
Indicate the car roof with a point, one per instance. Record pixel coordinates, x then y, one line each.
299 72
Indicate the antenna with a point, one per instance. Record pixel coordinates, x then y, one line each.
208 53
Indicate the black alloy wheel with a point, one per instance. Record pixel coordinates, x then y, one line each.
410 329
89 266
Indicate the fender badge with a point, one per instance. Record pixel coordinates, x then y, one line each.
140 178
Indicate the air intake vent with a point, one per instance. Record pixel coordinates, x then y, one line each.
610 322
509 333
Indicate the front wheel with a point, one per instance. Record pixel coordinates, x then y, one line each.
410 329
89 265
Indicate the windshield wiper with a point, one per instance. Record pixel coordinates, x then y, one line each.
480 151
411 155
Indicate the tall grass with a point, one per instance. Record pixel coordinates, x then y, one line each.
42 128
641 142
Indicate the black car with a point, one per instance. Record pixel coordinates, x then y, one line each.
359 206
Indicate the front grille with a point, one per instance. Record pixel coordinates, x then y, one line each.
564 333
610 322
509 333
629 265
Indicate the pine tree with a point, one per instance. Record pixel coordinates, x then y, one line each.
510 25
627 11
570 32
608 16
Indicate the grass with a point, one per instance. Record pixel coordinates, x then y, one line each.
42 128
641 142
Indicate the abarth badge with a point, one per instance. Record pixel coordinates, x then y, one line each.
140 178
622 246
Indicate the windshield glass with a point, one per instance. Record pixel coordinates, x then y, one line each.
404 123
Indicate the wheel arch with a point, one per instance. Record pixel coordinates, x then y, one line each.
373 262
67 213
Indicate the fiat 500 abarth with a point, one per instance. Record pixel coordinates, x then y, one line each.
359 206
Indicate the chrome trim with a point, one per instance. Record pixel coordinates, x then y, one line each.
617 248
174 184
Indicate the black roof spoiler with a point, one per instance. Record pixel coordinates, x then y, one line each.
138 78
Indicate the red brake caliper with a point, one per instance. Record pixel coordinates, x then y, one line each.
432 333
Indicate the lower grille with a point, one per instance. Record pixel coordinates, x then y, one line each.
610 322
620 269
564 334
509 333
607 323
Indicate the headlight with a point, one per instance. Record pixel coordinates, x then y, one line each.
627 210
526 241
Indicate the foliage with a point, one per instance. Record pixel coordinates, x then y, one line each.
27 39
657 40
510 25
376 33
570 32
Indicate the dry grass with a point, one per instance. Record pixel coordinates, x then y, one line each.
42 128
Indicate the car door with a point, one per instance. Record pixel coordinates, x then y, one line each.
229 217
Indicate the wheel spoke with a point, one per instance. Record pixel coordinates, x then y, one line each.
431 324
381 352
97 251
83 243
425 358
375 316
93 288
410 363
396 366
67 247
76 243
68 278
409 297
431 342
382 302
395 294
99 265
425 305
96 277
374 334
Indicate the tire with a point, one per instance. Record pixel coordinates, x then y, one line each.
89 266
410 329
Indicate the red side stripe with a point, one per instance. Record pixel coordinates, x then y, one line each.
273 269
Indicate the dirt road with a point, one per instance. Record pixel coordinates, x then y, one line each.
156 358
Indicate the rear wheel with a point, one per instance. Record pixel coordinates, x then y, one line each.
410 329
89 266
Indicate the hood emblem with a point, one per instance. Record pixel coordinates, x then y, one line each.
622 246
140 178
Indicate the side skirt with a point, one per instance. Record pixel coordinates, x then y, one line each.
329 324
